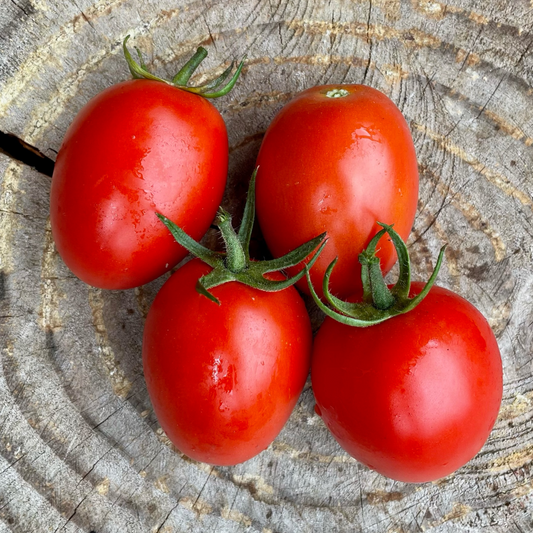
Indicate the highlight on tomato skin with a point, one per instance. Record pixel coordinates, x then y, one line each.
415 397
337 158
224 379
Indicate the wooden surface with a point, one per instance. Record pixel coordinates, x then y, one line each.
80 448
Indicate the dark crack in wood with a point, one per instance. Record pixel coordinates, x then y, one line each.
16 148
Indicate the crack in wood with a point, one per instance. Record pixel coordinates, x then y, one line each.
26 8
19 150
369 41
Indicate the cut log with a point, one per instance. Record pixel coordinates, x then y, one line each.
80 447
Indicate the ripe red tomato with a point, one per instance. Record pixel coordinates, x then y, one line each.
414 397
223 379
137 148
337 164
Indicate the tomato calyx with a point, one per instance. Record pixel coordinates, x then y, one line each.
235 264
379 302
212 89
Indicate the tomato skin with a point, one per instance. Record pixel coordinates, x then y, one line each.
337 165
137 148
223 380
414 397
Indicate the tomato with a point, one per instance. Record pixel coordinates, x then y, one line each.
223 379
416 396
337 164
137 148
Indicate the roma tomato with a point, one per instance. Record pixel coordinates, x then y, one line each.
336 158
223 379
416 396
137 148
227 346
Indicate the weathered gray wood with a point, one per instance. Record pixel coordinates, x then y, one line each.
80 448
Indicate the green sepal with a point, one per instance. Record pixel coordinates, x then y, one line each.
213 84
365 272
141 60
216 277
137 71
213 259
402 286
181 79
235 264
368 313
227 88
248 217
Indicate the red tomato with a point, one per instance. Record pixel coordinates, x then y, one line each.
415 397
337 165
223 380
137 148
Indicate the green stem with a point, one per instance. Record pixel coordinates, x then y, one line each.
184 75
381 296
235 255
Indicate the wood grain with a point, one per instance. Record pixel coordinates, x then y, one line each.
80 448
